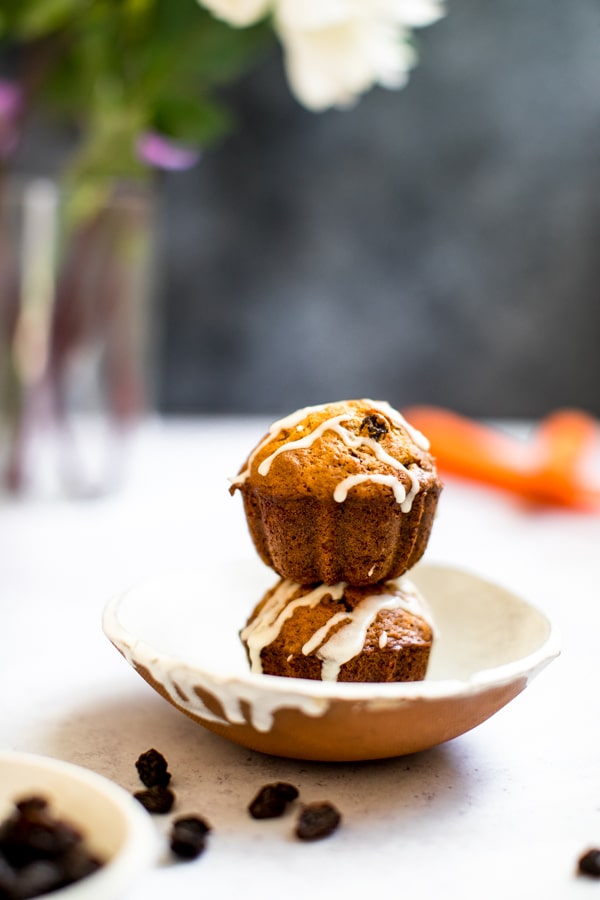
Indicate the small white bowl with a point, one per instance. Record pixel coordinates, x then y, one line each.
114 825
181 634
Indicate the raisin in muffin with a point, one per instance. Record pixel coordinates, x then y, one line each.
340 632
340 492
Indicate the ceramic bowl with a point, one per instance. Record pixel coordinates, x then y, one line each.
181 634
115 827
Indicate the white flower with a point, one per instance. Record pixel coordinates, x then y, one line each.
308 14
413 13
335 50
238 12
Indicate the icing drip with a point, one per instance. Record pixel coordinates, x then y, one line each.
404 498
341 490
345 642
182 684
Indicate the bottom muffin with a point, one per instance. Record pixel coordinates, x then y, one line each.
340 632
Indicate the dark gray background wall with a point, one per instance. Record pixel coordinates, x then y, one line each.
439 244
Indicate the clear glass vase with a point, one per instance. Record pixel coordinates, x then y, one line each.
75 333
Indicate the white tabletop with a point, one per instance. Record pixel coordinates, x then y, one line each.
503 811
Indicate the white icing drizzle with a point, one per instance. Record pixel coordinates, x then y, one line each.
353 441
321 633
404 498
341 489
265 627
332 424
345 642
294 419
384 407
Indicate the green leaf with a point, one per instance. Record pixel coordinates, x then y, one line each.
116 68
36 18
193 120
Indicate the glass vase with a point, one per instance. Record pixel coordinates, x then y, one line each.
75 333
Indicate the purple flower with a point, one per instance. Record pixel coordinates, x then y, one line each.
164 153
11 102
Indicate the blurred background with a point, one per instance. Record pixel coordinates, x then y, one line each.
437 244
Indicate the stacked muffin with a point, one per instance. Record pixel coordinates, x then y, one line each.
340 500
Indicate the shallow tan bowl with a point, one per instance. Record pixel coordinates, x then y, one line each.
182 635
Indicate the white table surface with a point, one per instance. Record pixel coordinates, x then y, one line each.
503 811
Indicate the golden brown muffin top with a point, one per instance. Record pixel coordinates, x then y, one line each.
336 448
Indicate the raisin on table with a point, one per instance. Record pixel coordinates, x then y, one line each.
152 769
316 821
589 863
156 799
272 800
188 836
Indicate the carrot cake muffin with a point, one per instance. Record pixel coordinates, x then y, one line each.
340 492
340 632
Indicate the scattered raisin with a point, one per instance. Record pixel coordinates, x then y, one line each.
152 768
589 863
272 800
156 799
317 820
39 852
188 836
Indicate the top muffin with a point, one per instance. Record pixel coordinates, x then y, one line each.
343 491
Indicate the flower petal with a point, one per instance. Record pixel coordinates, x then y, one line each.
11 99
333 66
325 67
315 14
412 13
164 153
238 12
11 102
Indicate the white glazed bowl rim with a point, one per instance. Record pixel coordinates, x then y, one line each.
528 665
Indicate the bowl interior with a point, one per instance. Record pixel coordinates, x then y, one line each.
194 618
479 625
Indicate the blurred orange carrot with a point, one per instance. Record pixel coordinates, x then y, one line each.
546 468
